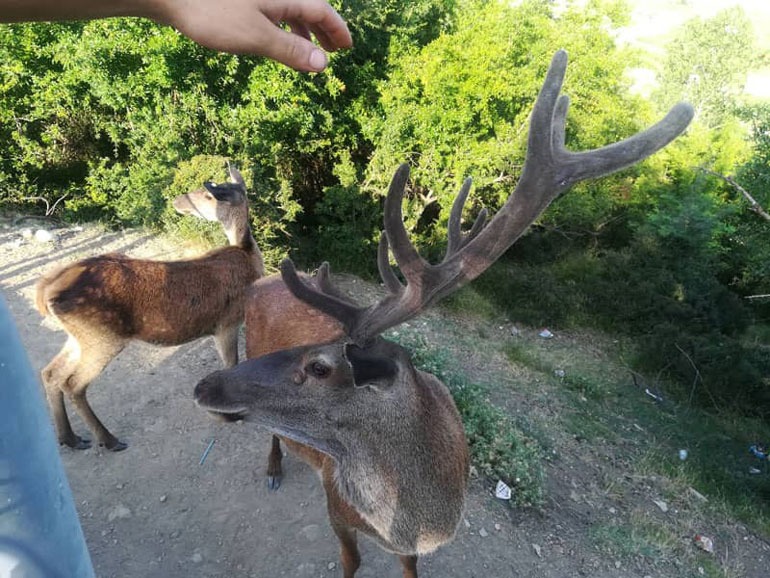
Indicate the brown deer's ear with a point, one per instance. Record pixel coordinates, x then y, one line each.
235 176
221 193
370 368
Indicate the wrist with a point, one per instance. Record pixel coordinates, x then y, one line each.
157 10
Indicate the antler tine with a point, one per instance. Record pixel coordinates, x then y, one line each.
383 264
455 238
541 122
454 234
344 312
407 257
612 158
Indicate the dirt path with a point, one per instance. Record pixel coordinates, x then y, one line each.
153 511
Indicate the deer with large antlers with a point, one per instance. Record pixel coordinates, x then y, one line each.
386 437
106 301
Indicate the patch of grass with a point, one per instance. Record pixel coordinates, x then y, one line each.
469 299
522 353
604 404
499 449
641 537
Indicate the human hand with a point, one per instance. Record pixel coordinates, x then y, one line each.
252 27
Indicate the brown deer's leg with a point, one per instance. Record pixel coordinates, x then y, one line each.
53 376
226 340
89 366
410 566
274 465
349 555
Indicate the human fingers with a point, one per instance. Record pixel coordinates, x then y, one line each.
317 15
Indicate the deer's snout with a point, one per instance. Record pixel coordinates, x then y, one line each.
212 394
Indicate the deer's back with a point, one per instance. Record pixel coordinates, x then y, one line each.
276 320
160 302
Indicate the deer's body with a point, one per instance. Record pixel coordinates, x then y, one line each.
164 303
104 302
387 437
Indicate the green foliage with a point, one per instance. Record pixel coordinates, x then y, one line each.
707 64
499 450
460 105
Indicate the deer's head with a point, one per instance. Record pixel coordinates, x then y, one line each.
226 203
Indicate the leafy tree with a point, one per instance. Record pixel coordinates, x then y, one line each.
707 64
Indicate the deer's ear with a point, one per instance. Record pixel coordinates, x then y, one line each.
221 193
370 369
235 176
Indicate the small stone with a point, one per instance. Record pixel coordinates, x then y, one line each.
611 510
617 563
175 534
515 331
466 522
573 495
163 498
119 512
537 550
311 532
662 505
483 533
119 486
498 527
196 558
27 233
331 565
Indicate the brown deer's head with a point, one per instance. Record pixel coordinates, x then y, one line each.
392 430
226 203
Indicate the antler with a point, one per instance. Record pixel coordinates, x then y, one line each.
549 169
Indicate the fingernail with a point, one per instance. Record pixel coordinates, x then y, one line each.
317 59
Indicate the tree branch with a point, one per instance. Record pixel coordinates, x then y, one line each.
755 206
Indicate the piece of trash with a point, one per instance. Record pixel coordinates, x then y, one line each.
206 453
26 233
43 236
559 373
683 455
662 505
653 395
758 451
503 491
545 334
537 550
697 495
754 471
704 543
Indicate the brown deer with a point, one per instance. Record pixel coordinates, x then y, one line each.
106 301
386 437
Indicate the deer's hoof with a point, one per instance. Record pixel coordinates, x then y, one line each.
273 482
115 445
76 443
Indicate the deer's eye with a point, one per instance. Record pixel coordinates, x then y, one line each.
319 369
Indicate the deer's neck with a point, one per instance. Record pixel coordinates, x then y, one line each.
240 236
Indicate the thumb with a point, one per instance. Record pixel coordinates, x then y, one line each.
294 51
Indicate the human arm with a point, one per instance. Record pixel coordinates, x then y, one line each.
237 26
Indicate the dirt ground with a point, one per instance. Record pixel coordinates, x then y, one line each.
155 511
